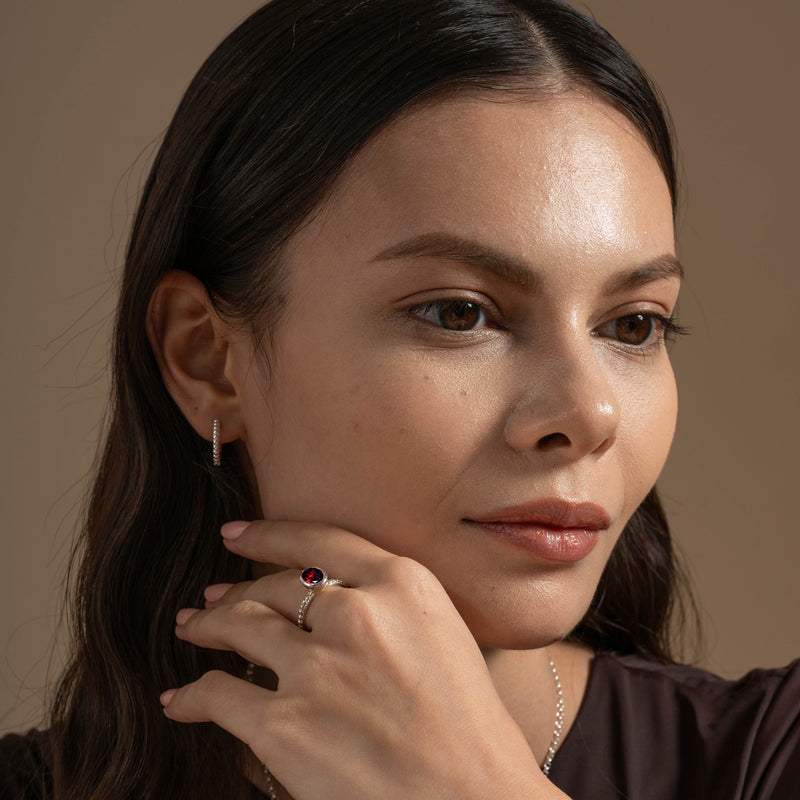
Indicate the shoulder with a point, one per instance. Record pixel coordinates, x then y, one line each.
702 688
25 767
765 702
671 731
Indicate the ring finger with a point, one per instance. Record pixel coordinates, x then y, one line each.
285 592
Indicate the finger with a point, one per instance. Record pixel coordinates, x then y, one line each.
216 592
222 594
283 591
258 633
230 592
243 709
340 553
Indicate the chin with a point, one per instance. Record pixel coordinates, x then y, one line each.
529 631
532 641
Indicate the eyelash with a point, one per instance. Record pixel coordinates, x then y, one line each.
663 330
667 330
462 303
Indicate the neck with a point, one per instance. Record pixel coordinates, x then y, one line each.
525 683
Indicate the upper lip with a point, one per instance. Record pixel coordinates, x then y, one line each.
551 512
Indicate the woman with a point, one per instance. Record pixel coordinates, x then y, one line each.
398 290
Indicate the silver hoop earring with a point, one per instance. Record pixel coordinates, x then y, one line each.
216 447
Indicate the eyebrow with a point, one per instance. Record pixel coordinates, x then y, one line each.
465 251
513 270
659 268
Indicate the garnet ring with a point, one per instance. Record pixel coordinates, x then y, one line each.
315 580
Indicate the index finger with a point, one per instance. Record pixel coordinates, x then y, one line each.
340 553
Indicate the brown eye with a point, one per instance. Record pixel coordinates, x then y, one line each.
460 316
634 329
453 315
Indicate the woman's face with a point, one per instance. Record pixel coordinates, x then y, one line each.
471 353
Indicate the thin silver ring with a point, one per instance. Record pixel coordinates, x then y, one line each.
311 594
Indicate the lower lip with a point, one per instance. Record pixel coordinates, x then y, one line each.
560 545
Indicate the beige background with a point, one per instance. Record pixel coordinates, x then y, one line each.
87 86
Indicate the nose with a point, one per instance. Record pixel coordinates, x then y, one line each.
569 406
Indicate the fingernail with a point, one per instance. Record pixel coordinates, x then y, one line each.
216 591
231 530
185 614
167 696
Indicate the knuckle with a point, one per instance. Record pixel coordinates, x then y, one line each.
284 713
361 614
411 573
288 720
210 684
245 609
353 604
318 661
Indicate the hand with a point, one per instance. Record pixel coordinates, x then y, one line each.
387 696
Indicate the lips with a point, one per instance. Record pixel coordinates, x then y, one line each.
553 529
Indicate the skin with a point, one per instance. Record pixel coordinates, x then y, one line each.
377 433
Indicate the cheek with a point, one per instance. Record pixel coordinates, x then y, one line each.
649 413
354 443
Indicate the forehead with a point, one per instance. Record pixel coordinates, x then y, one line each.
567 171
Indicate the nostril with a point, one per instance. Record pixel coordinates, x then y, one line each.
553 440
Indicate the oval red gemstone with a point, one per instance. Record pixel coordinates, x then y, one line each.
312 576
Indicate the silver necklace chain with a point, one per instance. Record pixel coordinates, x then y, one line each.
559 725
272 793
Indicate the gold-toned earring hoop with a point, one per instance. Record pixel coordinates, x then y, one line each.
216 447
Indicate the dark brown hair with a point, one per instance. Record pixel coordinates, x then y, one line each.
263 131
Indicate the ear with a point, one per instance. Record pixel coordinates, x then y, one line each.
191 344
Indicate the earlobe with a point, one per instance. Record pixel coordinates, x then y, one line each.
191 346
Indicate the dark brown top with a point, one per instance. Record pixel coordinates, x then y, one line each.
644 732
668 733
